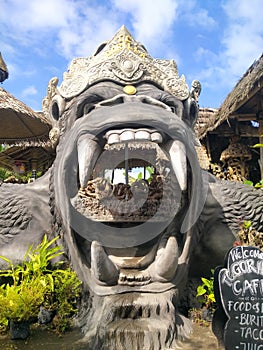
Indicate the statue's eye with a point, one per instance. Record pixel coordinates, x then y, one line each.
87 105
175 105
173 109
88 108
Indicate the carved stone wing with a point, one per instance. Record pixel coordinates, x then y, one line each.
14 213
239 202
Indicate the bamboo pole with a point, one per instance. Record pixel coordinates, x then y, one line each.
126 164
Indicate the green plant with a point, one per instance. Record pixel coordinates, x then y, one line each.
66 293
3 147
248 182
149 174
26 285
39 281
258 145
5 173
248 236
3 324
246 224
206 291
257 185
36 265
37 260
21 302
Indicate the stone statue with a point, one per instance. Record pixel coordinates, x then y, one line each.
3 69
134 245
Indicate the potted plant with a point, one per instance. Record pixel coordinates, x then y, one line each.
25 287
38 286
19 304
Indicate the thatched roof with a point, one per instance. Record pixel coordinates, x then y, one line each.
41 157
247 87
205 120
243 100
19 124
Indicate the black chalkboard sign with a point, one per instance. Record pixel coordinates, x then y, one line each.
240 288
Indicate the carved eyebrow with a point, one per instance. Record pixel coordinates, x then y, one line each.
158 94
166 98
97 93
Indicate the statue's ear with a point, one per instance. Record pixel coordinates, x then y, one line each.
190 112
191 107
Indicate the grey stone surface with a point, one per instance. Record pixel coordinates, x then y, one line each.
134 274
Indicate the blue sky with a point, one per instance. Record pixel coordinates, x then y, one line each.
214 41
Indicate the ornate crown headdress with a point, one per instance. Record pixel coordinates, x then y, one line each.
123 60
126 61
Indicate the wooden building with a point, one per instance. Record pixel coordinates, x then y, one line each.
237 125
26 133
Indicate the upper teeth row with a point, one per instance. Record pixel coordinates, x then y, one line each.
115 136
89 151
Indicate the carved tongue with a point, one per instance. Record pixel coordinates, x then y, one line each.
103 268
178 159
88 153
166 261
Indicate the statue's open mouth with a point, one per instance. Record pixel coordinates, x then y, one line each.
127 231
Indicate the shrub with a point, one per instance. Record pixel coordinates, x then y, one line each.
37 282
206 291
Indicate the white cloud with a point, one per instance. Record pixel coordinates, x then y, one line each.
192 12
152 22
205 55
38 15
70 27
201 18
95 28
243 38
68 40
29 91
241 43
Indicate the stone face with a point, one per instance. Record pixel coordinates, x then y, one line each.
126 193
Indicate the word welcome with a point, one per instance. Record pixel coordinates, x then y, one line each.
241 294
